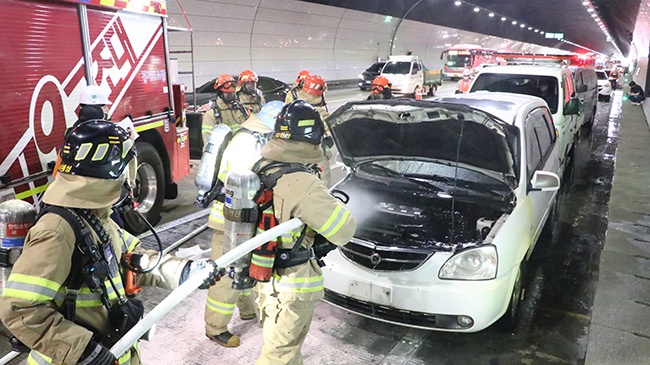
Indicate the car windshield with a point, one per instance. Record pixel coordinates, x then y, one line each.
545 87
435 176
397 68
376 67
601 75
457 61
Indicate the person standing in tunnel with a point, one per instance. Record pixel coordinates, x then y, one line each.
380 89
247 92
287 300
225 109
297 85
313 91
65 298
242 152
462 87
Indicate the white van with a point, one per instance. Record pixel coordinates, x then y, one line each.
552 83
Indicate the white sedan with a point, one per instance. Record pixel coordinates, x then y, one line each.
450 198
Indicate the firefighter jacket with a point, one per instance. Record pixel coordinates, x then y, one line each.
252 102
303 195
317 102
231 114
242 152
35 290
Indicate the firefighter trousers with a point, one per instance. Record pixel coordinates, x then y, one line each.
286 324
222 298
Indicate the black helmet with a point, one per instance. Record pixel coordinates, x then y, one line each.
299 121
96 148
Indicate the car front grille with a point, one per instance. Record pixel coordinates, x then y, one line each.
384 258
394 315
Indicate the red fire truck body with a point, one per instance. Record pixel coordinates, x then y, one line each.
51 50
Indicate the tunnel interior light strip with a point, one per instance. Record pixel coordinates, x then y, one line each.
587 3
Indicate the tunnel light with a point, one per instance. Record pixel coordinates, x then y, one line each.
590 10
541 32
522 26
514 22
585 3
503 18
491 15
476 10
536 30
457 3
530 28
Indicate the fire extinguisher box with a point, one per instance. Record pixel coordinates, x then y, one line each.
182 152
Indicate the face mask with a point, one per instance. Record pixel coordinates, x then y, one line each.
249 87
228 96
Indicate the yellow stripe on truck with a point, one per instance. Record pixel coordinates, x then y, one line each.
146 127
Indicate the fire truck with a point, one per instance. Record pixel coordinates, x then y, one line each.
461 56
51 50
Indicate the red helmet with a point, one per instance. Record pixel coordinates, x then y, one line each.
379 84
225 82
247 76
301 77
314 85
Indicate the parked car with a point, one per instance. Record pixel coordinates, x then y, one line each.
367 76
272 89
587 91
604 86
450 201
559 95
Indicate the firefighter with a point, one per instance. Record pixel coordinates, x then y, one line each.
380 89
241 153
297 85
226 108
247 92
313 91
462 87
287 301
65 298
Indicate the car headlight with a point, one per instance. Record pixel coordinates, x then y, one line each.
474 264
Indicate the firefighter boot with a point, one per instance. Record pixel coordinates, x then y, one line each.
226 339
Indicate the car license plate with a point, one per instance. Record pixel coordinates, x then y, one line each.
370 292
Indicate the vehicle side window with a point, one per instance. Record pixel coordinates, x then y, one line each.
416 67
543 134
569 89
533 153
548 119
266 84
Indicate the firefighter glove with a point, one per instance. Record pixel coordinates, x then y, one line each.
192 267
96 354
322 246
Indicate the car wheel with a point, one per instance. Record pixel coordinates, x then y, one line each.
511 317
432 89
149 191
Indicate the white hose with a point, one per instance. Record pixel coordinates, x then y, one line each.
180 293
8 357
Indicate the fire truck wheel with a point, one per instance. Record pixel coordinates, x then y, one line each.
149 191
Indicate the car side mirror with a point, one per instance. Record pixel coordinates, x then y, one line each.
572 107
581 88
544 181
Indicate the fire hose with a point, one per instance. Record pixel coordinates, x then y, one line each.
180 293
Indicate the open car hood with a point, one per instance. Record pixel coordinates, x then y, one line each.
427 130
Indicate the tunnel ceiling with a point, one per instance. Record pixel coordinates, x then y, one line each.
555 16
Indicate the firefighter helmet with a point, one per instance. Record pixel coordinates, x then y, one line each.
299 121
269 112
93 95
247 76
467 72
379 84
97 148
301 78
314 85
225 83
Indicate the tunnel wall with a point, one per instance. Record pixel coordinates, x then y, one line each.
278 38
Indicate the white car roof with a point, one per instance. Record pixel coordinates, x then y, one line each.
505 106
540 70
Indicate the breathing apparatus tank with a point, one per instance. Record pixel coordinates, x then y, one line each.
240 213
206 179
16 218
